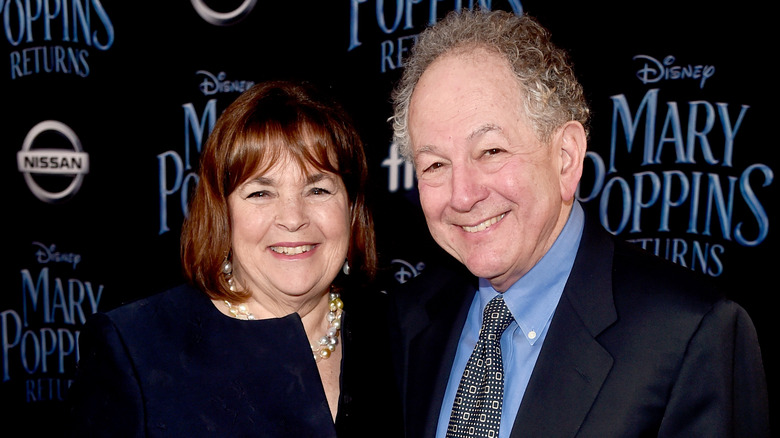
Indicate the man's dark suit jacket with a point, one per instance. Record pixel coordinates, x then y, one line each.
637 347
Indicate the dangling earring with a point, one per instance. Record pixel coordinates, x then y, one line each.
345 269
227 270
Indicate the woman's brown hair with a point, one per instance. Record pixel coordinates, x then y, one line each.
270 121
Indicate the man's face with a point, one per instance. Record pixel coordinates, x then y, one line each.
491 192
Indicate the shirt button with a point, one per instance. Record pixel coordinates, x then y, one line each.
532 335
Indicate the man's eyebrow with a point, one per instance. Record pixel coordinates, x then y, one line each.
489 127
424 149
484 129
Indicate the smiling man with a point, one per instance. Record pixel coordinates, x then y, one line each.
554 328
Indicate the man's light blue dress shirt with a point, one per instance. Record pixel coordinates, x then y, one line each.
532 301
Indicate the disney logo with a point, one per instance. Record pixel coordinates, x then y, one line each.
218 84
406 271
49 254
654 70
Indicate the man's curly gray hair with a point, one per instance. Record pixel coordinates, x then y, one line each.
552 93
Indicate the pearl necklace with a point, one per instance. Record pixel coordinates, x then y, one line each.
327 343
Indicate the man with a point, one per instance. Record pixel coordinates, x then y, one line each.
603 340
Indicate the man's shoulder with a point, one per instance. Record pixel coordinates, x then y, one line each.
637 270
438 275
439 290
650 291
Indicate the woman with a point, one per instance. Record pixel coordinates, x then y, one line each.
259 342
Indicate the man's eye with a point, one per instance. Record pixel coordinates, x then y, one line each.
433 166
492 151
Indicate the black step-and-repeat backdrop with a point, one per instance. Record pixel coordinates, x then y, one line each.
107 104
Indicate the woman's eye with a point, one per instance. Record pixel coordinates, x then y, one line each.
320 191
259 194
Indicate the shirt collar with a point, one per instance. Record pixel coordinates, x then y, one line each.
532 299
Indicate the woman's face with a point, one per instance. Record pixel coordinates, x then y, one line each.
290 230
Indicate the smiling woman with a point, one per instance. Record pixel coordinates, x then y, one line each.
290 235
271 148
261 339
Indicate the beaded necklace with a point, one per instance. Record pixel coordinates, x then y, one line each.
327 343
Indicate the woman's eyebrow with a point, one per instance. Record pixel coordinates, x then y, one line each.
317 177
263 180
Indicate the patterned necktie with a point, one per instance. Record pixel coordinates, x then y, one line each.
476 411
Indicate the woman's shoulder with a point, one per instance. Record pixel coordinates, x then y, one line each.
159 307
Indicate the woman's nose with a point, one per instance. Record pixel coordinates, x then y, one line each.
292 214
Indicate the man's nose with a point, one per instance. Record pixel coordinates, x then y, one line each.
467 188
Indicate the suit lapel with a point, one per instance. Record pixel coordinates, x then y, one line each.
432 351
572 365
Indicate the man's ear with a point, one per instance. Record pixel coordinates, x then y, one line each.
572 143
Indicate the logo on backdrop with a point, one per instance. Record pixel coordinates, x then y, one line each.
177 176
400 172
405 271
53 165
223 18
394 18
670 181
653 70
54 37
213 84
39 340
